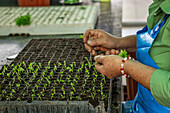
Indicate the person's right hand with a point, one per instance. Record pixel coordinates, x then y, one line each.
100 40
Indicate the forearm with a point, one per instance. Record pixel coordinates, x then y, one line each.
139 72
128 42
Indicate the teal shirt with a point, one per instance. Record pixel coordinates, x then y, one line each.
160 52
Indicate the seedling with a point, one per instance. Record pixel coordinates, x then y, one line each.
51 73
59 64
82 7
33 95
18 85
23 20
123 53
28 74
81 36
18 99
64 93
39 96
48 67
8 74
71 95
72 85
89 63
55 68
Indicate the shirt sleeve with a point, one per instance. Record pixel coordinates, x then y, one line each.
160 86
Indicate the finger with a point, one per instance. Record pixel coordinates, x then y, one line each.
96 42
113 52
99 59
86 35
107 53
99 67
88 48
96 48
93 52
117 52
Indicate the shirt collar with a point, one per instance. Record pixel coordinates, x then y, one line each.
165 6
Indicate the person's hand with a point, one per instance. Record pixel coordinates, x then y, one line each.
99 40
108 65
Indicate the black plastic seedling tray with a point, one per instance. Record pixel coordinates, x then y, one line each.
57 76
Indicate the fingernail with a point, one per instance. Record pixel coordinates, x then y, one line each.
95 58
89 41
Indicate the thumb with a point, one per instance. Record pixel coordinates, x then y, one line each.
95 42
99 59
99 67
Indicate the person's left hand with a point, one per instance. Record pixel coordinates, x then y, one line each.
108 65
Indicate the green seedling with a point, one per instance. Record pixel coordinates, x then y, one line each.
64 93
89 63
30 67
23 94
81 36
33 91
87 71
48 67
71 95
39 96
23 20
39 65
49 82
24 64
8 74
18 85
72 68
103 78
33 95
3 81
45 86
75 80
78 98
123 53
82 7
11 94
65 65
18 99
20 69
77 77
28 87
37 86
61 74
70 1
55 68
13 91
51 74
74 63
43 74
42 92
59 64
72 85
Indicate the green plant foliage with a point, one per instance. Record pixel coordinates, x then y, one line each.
23 20
36 80
123 53
71 1
82 7
81 36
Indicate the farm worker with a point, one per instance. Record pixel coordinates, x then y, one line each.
151 69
